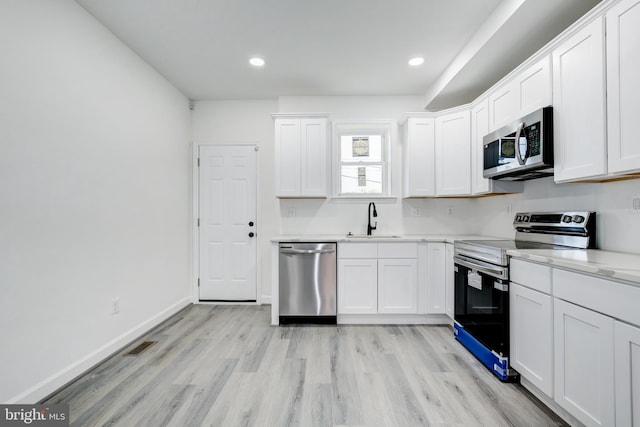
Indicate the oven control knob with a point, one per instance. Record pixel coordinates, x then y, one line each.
525 218
567 219
578 219
518 218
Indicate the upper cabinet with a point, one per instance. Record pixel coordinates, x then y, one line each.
521 94
453 153
580 149
418 134
301 150
594 110
623 87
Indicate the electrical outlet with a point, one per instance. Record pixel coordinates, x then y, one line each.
635 205
291 212
450 211
415 212
115 305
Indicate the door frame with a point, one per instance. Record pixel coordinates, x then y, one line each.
195 235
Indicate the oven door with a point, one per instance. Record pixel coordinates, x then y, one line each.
482 304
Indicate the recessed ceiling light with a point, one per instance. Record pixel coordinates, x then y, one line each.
418 60
256 62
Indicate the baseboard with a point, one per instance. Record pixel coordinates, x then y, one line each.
394 319
265 300
66 375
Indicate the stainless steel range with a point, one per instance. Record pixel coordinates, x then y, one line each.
481 310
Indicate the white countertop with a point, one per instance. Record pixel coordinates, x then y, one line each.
615 265
342 238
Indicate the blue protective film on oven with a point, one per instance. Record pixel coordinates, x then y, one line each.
496 364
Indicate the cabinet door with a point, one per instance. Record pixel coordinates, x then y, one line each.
449 280
479 128
397 286
627 374
313 155
531 336
453 154
287 148
534 87
583 362
357 286
579 105
623 86
419 157
436 280
503 105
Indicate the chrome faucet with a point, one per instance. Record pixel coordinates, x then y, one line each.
370 227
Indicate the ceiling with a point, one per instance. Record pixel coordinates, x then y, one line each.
336 47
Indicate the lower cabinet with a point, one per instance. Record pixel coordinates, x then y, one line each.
627 374
435 278
357 286
397 286
531 336
584 363
449 276
378 285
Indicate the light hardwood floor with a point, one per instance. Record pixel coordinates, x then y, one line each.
225 366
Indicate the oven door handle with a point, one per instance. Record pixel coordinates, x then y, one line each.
482 267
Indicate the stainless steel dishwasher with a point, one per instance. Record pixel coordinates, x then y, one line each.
307 283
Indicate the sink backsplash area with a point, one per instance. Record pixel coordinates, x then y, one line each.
396 217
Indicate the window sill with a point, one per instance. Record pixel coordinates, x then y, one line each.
364 198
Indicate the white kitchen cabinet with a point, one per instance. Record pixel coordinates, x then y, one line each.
397 285
301 150
479 129
531 336
418 132
580 147
521 94
584 363
453 153
435 278
378 278
623 86
357 286
449 275
627 374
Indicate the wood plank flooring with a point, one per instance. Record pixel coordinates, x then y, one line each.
226 366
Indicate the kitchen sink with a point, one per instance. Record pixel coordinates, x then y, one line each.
378 236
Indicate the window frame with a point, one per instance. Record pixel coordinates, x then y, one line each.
362 127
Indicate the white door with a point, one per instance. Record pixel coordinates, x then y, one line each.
227 219
397 286
627 374
531 336
583 363
358 289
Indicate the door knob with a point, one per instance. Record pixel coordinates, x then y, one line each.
251 234
250 223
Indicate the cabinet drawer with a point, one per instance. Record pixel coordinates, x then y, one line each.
614 299
357 250
531 275
398 250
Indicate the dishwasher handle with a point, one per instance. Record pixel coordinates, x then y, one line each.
306 251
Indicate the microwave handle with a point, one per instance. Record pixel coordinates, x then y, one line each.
521 159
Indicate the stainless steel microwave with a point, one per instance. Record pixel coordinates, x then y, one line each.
521 150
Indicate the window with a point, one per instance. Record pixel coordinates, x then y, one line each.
362 159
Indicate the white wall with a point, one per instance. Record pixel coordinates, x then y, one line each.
94 196
618 229
243 122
